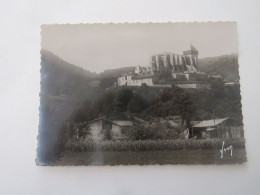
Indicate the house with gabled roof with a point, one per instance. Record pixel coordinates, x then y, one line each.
101 129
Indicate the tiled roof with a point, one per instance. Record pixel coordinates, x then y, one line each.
210 123
87 122
123 123
119 123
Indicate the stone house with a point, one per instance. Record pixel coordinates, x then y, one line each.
102 129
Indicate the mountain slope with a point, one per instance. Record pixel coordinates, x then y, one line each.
64 87
226 66
61 78
114 73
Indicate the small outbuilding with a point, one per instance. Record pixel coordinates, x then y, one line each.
216 128
101 129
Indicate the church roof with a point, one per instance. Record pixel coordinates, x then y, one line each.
192 50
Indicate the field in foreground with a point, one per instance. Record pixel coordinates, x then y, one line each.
151 157
152 145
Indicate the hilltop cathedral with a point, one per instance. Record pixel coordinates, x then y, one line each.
182 67
188 61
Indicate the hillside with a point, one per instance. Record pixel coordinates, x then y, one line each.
61 78
149 102
64 87
114 73
226 66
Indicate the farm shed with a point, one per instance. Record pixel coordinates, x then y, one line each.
101 129
217 128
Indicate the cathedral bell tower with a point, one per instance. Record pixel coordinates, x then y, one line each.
192 55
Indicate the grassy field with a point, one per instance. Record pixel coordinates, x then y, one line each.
196 156
152 145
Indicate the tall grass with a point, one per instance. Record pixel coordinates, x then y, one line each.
153 145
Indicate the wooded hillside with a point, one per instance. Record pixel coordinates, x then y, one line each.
226 66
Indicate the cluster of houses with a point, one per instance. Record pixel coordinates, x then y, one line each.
208 129
183 69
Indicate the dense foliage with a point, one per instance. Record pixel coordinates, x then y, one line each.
226 66
154 131
219 102
200 104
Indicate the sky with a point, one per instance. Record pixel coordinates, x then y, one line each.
97 47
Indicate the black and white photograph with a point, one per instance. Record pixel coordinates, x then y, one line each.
140 94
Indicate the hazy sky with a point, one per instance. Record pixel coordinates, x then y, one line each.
97 47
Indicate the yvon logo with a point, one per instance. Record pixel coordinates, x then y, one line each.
223 149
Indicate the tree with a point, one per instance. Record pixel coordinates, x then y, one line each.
136 105
124 95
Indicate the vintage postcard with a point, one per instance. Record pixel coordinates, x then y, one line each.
140 94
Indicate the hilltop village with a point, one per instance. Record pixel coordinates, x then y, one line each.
167 69
162 101
133 113
84 108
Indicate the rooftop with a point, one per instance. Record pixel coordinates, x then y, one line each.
123 123
119 123
210 123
